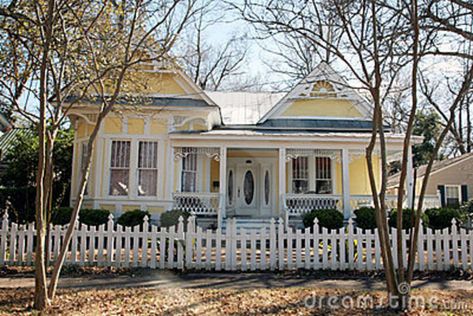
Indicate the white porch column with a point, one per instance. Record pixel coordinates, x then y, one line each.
170 172
346 184
282 183
410 178
222 185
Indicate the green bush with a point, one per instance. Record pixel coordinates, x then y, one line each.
91 217
406 219
132 218
365 218
61 216
328 218
440 218
171 218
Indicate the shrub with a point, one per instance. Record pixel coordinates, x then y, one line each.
365 218
328 218
91 217
440 218
171 218
61 215
407 223
132 218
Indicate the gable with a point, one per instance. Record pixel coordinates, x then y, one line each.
322 94
322 108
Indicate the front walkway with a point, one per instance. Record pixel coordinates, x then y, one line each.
155 279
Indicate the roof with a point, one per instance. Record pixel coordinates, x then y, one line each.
323 72
318 124
436 167
156 101
244 107
7 140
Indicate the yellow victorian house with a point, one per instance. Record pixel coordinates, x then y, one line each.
252 156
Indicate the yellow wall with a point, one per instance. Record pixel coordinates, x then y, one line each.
136 126
158 127
152 82
252 153
326 107
359 178
112 125
214 173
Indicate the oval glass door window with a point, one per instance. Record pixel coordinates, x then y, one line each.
249 187
230 187
266 187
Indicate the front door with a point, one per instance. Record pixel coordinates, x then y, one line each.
247 197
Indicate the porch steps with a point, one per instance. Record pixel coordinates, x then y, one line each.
249 223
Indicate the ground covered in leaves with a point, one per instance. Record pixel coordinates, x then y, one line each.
292 301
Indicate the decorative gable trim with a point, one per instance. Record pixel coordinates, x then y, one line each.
322 83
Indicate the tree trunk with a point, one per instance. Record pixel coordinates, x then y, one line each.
41 300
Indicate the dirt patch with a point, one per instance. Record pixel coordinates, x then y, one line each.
293 301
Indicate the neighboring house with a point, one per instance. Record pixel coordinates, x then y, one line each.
220 155
450 179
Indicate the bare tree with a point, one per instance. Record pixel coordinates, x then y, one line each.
86 50
379 40
210 64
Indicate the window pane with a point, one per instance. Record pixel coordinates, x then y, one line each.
119 168
119 182
188 181
147 182
189 171
323 175
453 195
147 168
300 175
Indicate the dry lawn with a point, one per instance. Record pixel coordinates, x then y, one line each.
141 301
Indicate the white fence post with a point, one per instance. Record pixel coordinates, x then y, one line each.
268 248
4 233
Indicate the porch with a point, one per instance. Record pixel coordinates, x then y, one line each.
251 183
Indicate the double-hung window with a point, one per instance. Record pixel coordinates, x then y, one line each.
147 168
189 171
452 195
119 167
300 175
323 175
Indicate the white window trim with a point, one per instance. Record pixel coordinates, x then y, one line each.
312 173
132 190
459 187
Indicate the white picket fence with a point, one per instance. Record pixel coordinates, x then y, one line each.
270 248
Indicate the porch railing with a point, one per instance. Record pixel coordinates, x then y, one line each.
303 203
297 204
357 201
197 203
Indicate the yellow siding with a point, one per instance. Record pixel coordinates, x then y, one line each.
113 125
176 175
87 205
338 178
359 178
158 127
136 126
148 82
323 107
126 208
155 210
214 173
199 127
110 207
81 129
